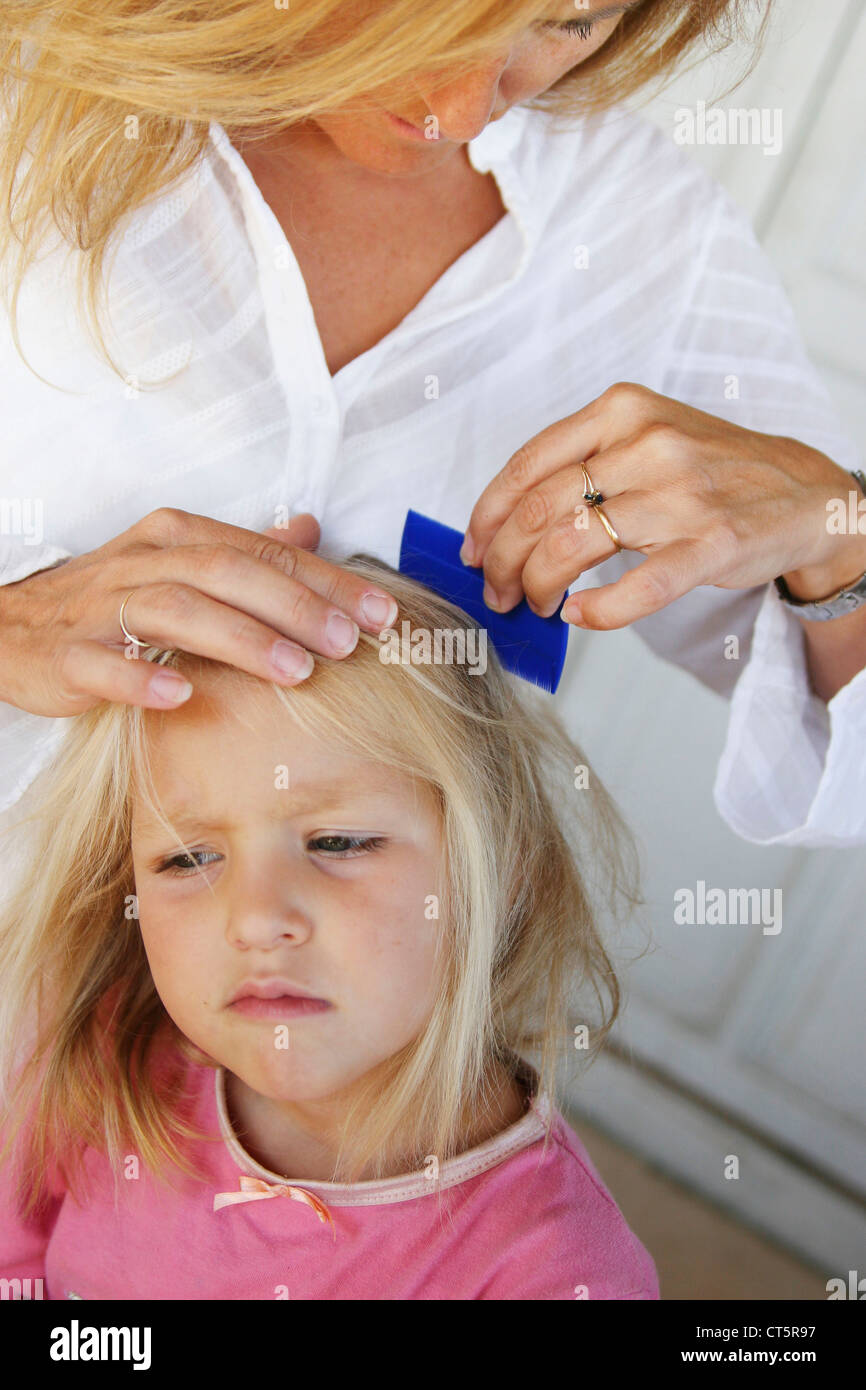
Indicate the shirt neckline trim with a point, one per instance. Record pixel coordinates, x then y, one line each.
408 1186
491 151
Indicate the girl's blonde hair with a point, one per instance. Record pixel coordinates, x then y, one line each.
106 105
521 959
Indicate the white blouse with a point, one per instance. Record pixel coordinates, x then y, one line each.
618 260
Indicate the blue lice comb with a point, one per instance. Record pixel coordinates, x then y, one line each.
531 647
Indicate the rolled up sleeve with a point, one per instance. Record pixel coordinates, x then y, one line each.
793 770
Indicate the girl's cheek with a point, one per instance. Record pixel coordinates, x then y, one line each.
161 936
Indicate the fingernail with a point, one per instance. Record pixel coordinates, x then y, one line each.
467 550
291 660
491 598
342 633
165 685
380 610
572 616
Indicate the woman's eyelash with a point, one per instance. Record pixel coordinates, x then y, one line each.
348 844
579 27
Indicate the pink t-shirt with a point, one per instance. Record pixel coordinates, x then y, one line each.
511 1221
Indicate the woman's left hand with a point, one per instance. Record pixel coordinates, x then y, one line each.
707 502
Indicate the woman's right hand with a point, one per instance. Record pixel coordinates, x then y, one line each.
196 584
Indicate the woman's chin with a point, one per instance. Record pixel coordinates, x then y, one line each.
378 146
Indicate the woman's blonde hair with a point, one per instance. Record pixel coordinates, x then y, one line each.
520 963
106 105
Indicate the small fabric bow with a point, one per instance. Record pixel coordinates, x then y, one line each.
255 1190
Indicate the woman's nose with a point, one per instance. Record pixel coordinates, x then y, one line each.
464 107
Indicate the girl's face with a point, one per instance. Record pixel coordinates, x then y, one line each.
383 139
315 871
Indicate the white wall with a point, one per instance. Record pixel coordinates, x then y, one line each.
744 1044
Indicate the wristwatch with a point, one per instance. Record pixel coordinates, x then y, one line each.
834 605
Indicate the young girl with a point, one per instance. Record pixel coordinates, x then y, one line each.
273 983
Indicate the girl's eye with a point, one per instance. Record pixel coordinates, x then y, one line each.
579 28
344 846
181 865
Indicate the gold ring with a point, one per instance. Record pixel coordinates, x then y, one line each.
591 496
127 634
607 526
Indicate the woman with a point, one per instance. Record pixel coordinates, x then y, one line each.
370 269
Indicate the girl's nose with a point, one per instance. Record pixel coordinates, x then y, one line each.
265 923
464 107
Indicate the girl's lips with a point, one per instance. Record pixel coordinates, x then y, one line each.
284 1006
